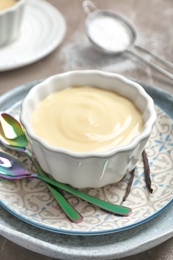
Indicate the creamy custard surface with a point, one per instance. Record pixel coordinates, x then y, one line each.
86 119
4 4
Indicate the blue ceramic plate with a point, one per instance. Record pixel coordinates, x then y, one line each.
24 200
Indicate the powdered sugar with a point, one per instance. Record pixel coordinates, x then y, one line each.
80 54
109 33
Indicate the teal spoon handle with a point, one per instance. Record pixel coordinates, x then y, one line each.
116 209
70 211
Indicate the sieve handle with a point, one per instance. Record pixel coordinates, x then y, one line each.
151 64
89 7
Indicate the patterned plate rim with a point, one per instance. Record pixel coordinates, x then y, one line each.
56 230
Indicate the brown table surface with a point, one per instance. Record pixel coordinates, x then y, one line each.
153 21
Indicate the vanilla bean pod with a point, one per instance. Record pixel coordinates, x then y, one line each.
129 184
146 171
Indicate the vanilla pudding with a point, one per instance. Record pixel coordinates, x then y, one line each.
85 118
4 4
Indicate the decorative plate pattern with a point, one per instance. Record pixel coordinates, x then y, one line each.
43 29
31 201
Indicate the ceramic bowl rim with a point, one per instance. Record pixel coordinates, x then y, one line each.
145 133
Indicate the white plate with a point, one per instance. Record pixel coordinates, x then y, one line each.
31 201
43 29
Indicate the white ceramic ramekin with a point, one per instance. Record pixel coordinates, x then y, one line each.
10 22
90 169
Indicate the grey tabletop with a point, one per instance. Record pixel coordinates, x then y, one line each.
153 21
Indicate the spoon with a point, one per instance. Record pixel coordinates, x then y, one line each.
13 137
12 169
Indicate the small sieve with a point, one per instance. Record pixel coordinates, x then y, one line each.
112 33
